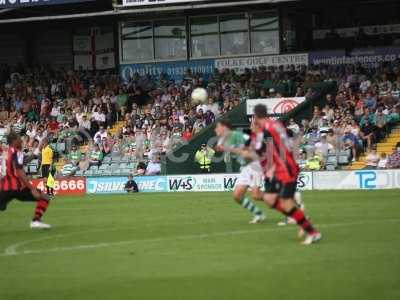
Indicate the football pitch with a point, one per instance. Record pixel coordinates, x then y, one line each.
200 246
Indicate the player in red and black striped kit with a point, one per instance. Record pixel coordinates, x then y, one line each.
16 185
281 171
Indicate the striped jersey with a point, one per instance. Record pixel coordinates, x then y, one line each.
14 161
278 153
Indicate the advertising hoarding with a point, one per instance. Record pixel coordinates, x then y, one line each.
275 106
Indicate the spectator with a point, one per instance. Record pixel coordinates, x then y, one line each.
68 169
141 168
380 124
154 166
367 134
394 158
75 155
372 159
350 142
100 135
204 158
85 123
323 148
383 161
187 134
95 156
293 126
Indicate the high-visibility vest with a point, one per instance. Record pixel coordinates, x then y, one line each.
203 158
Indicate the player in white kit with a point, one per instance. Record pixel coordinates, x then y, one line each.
251 173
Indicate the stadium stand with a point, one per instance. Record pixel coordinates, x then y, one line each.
118 125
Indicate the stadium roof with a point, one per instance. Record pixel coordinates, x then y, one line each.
96 8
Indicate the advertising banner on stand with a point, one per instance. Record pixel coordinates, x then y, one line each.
275 106
220 182
116 185
239 64
368 57
355 180
174 70
72 186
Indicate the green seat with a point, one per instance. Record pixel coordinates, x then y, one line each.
126 172
116 172
107 173
104 166
124 159
89 173
123 165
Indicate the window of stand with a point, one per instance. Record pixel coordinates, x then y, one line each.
204 37
208 36
264 33
234 34
137 41
170 39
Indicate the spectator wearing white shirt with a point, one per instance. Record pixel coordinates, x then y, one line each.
98 115
365 84
201 108
382 163
322 148
213 107
31 133
100 135
85 123
293 126
372 159
154 166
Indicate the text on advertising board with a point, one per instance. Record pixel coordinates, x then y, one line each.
64 186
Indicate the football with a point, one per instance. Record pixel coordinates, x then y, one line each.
199 96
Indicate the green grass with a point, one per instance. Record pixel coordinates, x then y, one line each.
200 246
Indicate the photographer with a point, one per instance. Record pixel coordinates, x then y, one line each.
131 185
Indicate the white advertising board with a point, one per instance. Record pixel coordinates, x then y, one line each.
220 182
275 106
239 64
355 180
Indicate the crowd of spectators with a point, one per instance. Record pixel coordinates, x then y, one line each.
353 120
80 108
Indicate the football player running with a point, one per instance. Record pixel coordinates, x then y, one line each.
251 173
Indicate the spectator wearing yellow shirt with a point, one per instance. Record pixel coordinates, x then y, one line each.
47 162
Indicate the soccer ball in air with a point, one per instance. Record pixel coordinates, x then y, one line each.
199 96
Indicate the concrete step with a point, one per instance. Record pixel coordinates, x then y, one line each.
386 144
392 140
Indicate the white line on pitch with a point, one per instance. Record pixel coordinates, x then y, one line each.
12 249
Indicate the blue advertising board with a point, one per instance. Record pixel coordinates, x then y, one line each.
22 3
174 70
368 57
115 185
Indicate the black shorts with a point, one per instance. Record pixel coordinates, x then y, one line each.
284 190
272 186
45 171
24 195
